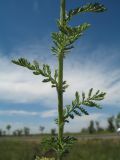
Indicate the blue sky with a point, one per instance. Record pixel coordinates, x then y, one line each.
25 31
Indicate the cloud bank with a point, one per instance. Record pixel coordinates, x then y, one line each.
98 71
19 85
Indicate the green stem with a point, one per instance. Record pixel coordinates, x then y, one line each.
60 82
60 97
62 11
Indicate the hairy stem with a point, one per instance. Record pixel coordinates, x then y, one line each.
60 81
62 11
60 98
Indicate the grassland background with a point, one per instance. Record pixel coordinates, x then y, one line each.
84 149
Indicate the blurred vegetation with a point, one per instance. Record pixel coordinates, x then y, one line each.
83 150
95 150
94 127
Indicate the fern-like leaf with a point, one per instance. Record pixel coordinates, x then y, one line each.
91 7
37 70
79 103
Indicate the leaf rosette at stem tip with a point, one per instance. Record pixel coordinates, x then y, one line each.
66 36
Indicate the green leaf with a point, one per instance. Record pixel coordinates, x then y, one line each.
68 108
77 113
76 107
75 31
91 7
53 86
71 116
63 40
73 103
99 96
83 110
97 92
91 104
66 121
36 73
90 93
77 98
83 96
65 86
46 80
56 74
24 63
36 64
54 50
48 70
64 82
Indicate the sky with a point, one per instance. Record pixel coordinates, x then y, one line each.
25 31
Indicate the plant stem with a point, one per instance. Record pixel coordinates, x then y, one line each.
60 97
62 11
60 81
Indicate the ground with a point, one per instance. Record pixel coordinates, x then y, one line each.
91 148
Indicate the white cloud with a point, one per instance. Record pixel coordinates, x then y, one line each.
18 113
50 113
18 85
44 114
92 76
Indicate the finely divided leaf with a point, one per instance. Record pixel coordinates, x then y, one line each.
91 7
